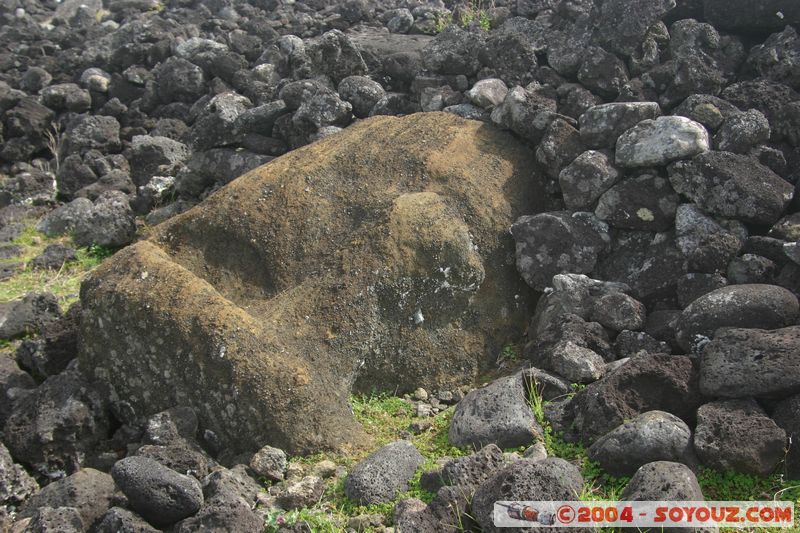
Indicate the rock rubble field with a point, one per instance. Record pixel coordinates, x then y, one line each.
359 265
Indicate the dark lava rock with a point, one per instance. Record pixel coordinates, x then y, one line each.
384 474
120 520
737 435
742 131
651 436
16 485
584 180
745 16
647 383
756 306
555 243
110 223
732 186
53 427
89 491
645 202
705 242
159 494
269 463
54 257
155 156
548 479
740 363
55 520
28 315
496 414
663 480
787 415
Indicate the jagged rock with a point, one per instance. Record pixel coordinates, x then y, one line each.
733 186
693 286
622 24
706 244
153 156
584 180
602 73
560 145
178 80
182 457
269 462
645 202
496 414
762 94
755 306
16 485
708 110
737 435
89 491
651 436
28 315
383 474
555 243
54 426
120 520
778 58
454 51
751 268
742 363
742 131
361 93
217 166
601 125
741 15
159 494
110 223
171 426
548 479
618 311
510 51
55 520
525 112
647 383
216 125
92 132
67 97
426 294
488 93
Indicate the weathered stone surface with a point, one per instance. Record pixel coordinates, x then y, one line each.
585 179
651 436
645 202
660 141
647 383
382 475
732 185
740 363
548 479
16 485
496 414
622 24
663 480
754 306
738 435
89 491
161 495
555 243
602 125
707 245
430 283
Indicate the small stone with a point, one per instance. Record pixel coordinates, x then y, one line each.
382 475
269 463
488 93
420 394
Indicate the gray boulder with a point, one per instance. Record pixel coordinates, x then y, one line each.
754 306
618 311
560 145
555 243
660 141
111 222
28 315
55 426
741 363
454 51
651 436
384 474
742 131
496 414
584 180
229 498
217 123
646 383
155 156
16 485
488 93
67 97
159 494
361 93
694 285
178 80
524 480
731 185
474 469
602 73
622 24
322 110
601 125
63 219
55 520
738 435
663 480
92 132
269 463
120 520
89 491
705 242
710 111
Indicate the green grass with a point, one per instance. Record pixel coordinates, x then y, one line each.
63 283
